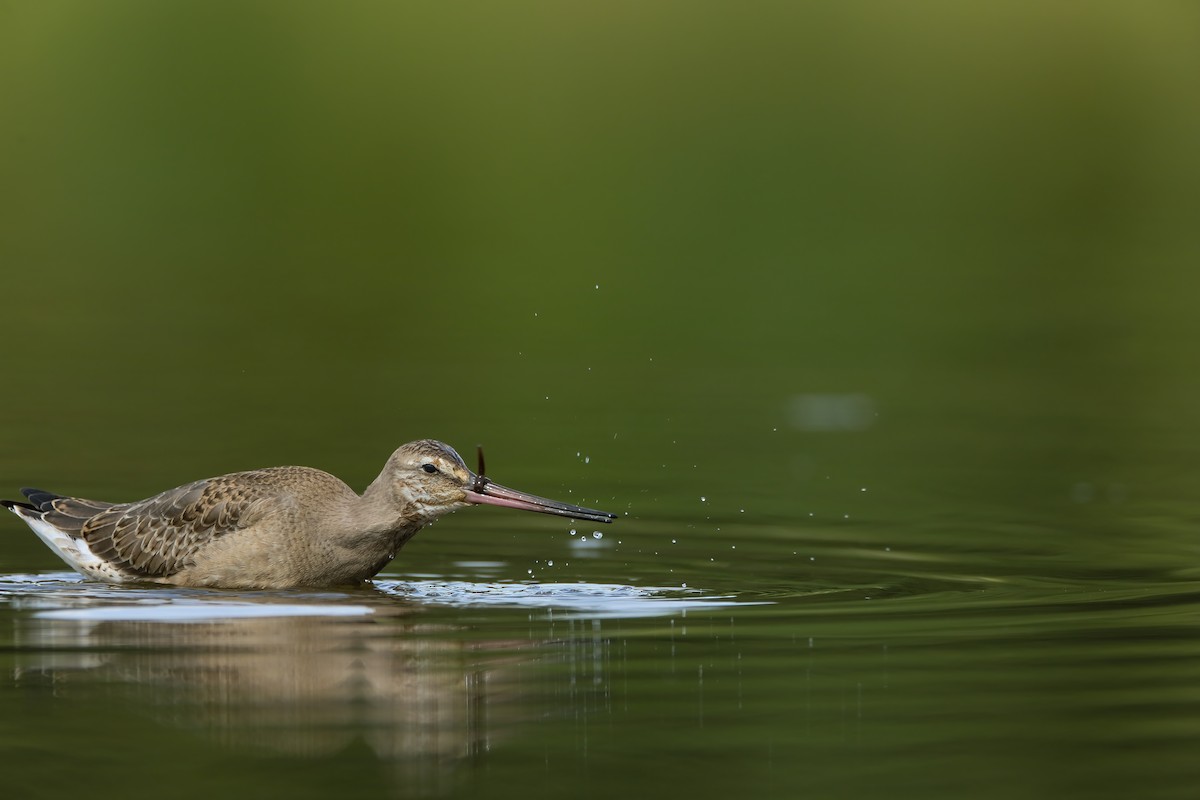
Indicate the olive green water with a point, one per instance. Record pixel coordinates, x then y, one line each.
876 322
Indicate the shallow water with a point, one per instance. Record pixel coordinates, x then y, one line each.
901 665
877 329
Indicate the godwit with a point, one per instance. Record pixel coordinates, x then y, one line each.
271 528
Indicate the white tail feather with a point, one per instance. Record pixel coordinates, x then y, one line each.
71 549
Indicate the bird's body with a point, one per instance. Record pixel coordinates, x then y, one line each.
271 528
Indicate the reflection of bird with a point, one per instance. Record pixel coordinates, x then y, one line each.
271 528
293 685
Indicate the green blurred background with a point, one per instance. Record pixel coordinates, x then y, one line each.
237 234
888 295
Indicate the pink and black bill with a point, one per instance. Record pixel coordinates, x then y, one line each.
484 491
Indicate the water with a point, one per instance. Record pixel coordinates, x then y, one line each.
991 663
878 331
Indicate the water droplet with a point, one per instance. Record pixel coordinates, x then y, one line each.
572 531
549 563
597 535
703 499
587 459
672 541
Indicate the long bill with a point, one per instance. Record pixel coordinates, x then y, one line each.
485 492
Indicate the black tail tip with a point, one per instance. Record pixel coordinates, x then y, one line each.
39 499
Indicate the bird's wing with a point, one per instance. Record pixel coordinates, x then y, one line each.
159 536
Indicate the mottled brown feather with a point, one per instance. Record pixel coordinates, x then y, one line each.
70 513
159 536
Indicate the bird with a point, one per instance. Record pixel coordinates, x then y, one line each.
274 528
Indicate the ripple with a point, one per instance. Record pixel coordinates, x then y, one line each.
591 600
198 611
65 595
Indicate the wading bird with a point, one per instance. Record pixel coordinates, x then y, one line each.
271 528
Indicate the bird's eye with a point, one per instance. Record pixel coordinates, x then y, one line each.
430 468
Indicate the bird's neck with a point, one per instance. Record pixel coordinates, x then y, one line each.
382 509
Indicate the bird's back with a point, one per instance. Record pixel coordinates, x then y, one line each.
157 538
